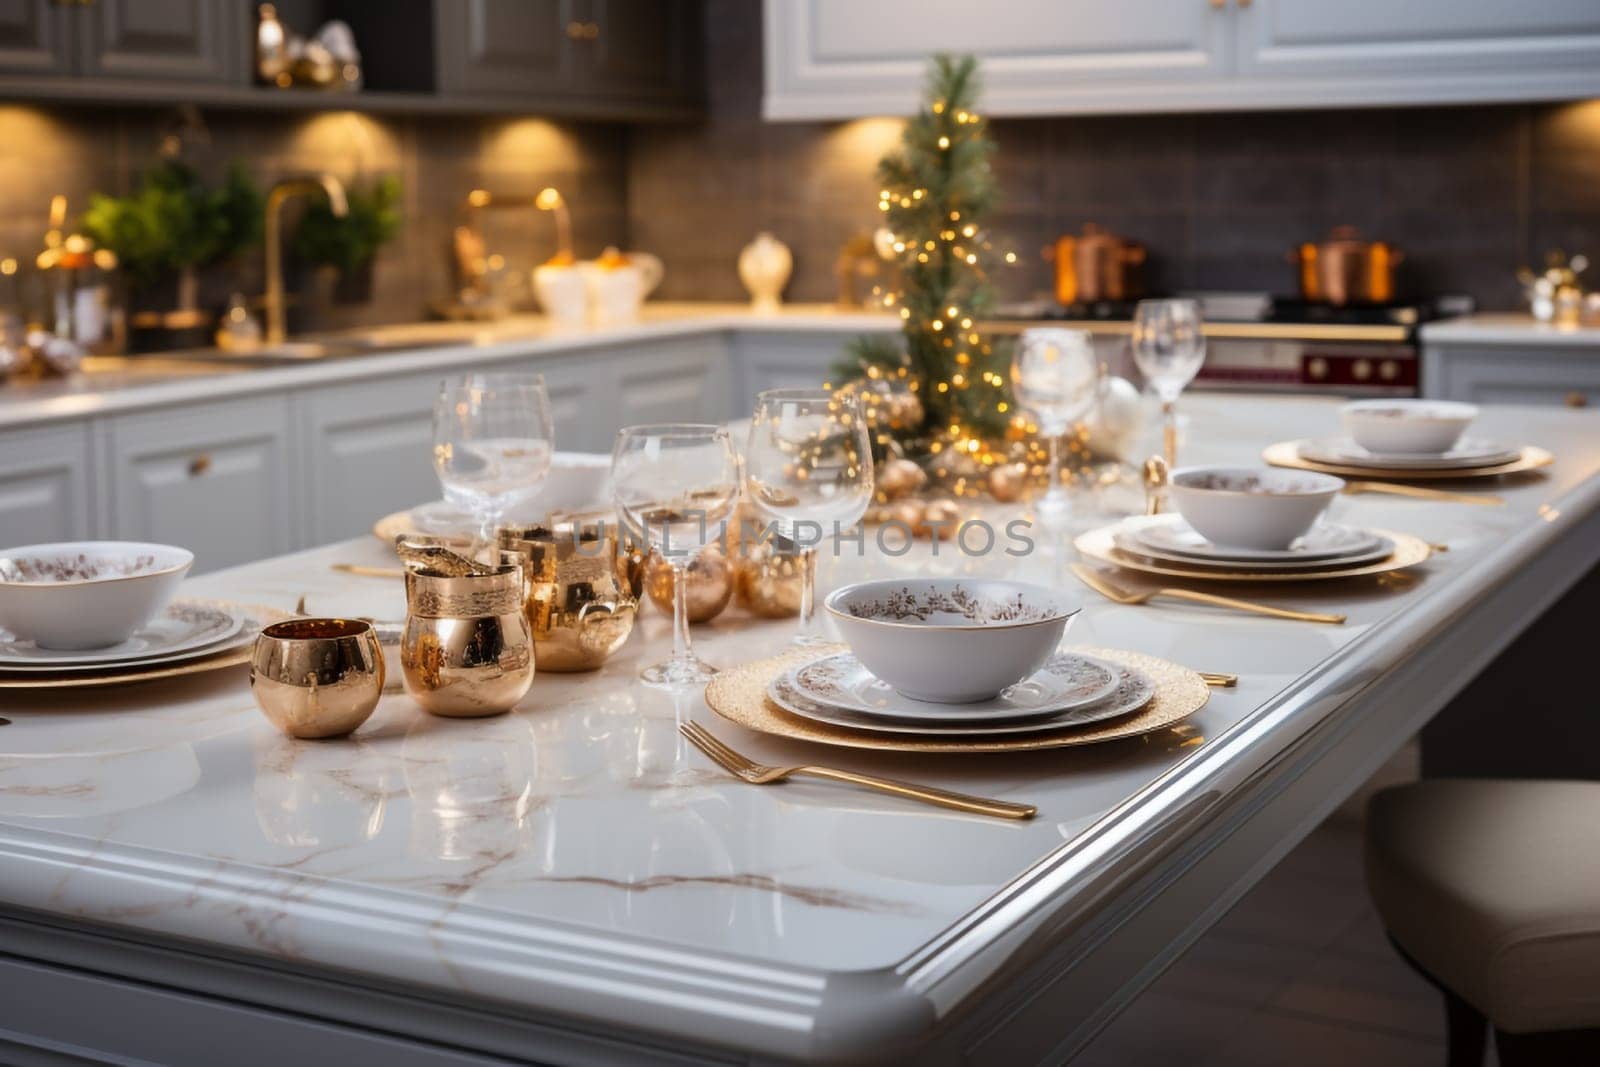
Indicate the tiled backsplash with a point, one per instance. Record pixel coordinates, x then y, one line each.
78 151
1467 193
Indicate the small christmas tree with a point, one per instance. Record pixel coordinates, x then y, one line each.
935 191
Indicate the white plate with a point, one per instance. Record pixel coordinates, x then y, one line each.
1126 545
1067 681
1170 535
1133 690
1470 452
183 627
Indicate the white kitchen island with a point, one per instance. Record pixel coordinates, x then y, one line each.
573 884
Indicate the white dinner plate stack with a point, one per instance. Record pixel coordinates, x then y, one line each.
1071 689
1469 453
1327 546
184 631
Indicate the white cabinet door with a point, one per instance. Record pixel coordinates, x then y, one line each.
44 486
846 58
216 478
679 381
369 452
1380 51
1512 374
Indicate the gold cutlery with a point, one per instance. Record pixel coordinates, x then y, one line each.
1123 596
757 774
364 571
1217 680
1419 492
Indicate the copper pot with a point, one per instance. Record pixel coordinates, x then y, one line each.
1344 269
1096 265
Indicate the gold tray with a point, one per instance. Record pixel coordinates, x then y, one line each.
256 617
1287 454
740 696
1098 545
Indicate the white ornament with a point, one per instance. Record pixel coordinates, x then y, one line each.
1115 422
764 267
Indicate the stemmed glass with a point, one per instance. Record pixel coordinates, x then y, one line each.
676 485
808 467
1056 376
1169 347
492 442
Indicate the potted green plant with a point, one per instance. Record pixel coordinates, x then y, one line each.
172 224
349 245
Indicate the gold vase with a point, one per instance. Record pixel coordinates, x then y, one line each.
467 650
577 605
317 678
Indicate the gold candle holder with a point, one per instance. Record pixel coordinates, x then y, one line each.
467 650
316 678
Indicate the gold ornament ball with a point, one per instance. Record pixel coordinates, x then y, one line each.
710 585
940 518
899 478
767 579
1007 481
907 513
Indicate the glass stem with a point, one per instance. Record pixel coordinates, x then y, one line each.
680 613
1169 432
808 589
1055 489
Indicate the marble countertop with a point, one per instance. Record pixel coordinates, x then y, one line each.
1512 329
578 860
124 383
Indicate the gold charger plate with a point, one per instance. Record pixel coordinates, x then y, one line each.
399 524
740 696
1287 454
255 617
1099 545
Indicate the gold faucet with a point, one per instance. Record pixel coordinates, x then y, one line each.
324 183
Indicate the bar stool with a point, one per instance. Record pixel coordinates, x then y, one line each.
1491 889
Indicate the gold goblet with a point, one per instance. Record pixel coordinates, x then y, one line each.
467 650
317 678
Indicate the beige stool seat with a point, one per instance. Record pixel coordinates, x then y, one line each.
1493 888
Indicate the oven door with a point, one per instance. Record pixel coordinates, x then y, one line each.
1347 368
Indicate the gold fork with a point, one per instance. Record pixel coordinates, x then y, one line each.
1421 493
758 774
363 571
1123 596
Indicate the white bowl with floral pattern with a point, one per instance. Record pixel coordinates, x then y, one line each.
951 640
86 594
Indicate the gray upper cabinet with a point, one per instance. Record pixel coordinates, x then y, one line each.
505 46
198 41
604 57
184 40
33 38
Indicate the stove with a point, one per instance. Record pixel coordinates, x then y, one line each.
1290 345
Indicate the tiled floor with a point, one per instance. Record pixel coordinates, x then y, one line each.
1299 973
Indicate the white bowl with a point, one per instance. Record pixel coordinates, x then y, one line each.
1401 426
86 594
951 640
1251 507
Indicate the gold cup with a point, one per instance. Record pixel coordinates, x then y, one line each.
578 607
317 677
467 650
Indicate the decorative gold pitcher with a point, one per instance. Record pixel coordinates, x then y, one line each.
579 606
467 650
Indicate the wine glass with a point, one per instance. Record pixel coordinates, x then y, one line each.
675 485
1056 376
1169 347
808 468
492 442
